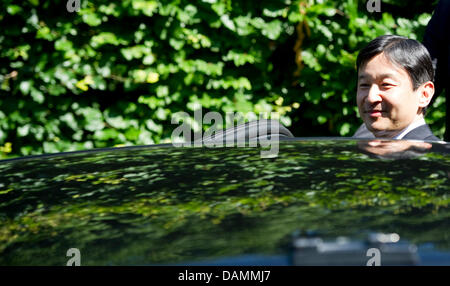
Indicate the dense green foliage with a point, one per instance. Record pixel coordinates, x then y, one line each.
116 71
145 205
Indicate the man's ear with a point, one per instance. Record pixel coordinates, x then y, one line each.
426 92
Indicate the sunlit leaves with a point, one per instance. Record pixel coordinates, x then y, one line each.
106 38
146 7
93 118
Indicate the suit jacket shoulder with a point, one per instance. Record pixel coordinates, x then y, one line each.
422 132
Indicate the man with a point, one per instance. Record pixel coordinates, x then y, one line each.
395 87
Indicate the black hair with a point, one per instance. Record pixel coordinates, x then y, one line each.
406 53
401 51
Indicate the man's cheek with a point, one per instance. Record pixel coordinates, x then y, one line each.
358 104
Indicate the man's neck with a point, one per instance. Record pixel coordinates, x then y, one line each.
412 126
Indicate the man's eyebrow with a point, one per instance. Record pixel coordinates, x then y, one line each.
381 76
363 76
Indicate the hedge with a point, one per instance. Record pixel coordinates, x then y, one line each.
114 73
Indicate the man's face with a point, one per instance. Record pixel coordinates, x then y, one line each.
385 97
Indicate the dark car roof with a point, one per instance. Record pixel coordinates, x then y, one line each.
166 205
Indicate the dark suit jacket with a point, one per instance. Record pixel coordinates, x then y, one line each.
437 41
421 133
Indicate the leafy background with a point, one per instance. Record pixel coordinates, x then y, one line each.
116 72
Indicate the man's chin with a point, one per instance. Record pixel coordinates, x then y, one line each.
374 128
379 130
383 133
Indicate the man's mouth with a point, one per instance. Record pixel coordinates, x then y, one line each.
375 112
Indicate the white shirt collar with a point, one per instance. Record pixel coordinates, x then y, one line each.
410 127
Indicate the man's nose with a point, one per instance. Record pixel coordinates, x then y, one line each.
374 94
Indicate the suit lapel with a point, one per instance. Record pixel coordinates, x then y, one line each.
422 132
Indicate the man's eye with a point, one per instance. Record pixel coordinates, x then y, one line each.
363 85
387 84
